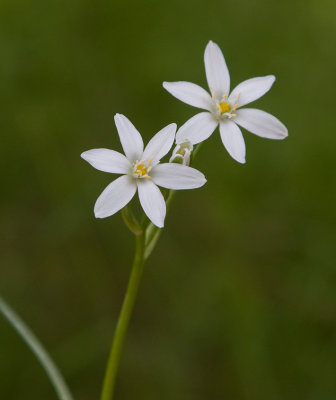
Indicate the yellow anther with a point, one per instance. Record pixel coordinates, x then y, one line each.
224 107
213 95
142 168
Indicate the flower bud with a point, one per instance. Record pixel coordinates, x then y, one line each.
181 153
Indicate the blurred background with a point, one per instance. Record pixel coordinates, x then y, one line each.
238 300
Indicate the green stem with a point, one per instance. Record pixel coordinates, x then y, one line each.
147 236
37 348
195 152
124 318
130 221
153 232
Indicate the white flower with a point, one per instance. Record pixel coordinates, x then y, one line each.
223 108
141 170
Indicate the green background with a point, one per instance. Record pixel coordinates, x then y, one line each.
238 300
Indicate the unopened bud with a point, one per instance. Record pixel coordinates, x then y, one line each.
181 153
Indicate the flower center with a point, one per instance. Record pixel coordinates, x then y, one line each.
224 107
142 168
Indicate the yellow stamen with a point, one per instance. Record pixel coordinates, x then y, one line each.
224 107
141 169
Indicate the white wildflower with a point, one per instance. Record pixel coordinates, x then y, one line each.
223 107
140 171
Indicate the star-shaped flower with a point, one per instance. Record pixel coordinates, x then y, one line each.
223 107
141 170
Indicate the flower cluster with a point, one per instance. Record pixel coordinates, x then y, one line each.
140 167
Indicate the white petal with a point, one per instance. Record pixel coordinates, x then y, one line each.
217 72
115 196
261 123
107 160
197 128
160 144
251 90
152 201
130 138
233 140
189 93
177 176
